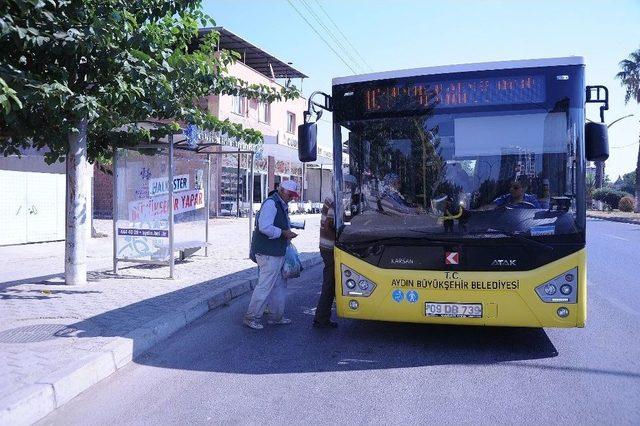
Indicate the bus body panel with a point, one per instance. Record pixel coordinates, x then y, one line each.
475 117
519 307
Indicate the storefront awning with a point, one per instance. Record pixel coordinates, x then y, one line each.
287 153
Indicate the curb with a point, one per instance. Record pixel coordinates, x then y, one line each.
33 402
615 219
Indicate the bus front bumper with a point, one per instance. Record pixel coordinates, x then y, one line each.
462 297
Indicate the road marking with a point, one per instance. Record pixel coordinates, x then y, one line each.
616 237
346 361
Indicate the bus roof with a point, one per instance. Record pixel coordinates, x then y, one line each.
482 66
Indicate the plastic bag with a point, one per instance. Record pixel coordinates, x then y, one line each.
292 266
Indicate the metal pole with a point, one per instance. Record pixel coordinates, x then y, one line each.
170 185
302 184
251 201
208 205
320 200
238 187
114 209
337 178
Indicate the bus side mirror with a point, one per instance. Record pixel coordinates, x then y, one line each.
307 142
596 142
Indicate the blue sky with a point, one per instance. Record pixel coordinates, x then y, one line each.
409 34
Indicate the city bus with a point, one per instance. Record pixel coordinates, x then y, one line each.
460 192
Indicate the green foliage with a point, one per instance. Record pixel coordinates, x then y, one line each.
629 182
609 196
629 76
8 96
590 182
116 63
626 204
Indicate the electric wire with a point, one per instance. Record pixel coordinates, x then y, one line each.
322 38
330 32
344 36
624 146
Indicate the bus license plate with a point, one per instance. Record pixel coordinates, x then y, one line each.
453 310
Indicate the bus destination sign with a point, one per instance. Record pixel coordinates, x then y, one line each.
528 89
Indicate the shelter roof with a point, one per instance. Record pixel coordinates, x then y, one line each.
252 56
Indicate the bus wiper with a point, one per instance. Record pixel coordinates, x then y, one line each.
519 237
429 236
401 239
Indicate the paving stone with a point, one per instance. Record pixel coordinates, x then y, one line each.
113 318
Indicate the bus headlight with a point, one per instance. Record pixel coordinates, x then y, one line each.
567 284
355 284
563 312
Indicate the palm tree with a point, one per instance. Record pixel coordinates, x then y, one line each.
630 79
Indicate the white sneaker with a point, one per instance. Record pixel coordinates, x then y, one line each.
281 321
251 323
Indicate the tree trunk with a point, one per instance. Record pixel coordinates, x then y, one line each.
77 220
599 178
637 209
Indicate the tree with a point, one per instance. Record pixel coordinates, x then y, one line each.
609 196
629 182
590 183
629 77
78 76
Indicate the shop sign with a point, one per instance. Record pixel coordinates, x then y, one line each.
158 207
142 240
209 136
283 168
159 186
292 142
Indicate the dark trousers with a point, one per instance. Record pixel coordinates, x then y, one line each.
328 292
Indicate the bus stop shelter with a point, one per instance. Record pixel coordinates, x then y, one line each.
161 197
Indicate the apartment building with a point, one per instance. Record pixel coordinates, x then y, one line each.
275 160
278 122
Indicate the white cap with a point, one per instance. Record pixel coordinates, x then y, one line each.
290 185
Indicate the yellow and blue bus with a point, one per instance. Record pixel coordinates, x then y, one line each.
460 193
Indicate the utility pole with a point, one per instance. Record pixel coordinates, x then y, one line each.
600 168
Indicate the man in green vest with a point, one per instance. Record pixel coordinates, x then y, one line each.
268 246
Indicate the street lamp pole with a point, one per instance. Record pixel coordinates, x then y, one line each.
600 164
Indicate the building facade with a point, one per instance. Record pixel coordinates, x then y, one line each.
276 160
34 199
277 121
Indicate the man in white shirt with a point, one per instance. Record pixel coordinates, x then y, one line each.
268 246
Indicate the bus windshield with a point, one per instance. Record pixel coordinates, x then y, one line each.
467 174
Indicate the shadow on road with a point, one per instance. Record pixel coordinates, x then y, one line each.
219 343
355 346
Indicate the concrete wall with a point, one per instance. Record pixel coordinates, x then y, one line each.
34 199
103 193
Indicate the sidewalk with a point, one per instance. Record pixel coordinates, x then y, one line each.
56 340
615 216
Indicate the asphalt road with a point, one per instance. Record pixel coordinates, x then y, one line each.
216 371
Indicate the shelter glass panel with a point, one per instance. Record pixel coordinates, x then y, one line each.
142 206
190 215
